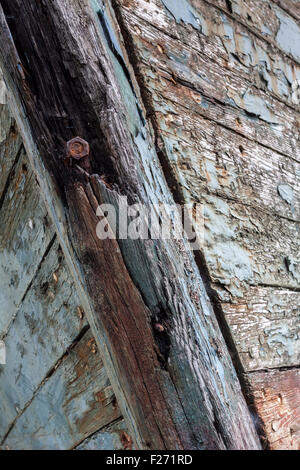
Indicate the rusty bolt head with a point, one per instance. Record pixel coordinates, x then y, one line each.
159 327
77 148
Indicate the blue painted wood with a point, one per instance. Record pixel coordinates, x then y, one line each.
45 325
25 234
114 437
74 402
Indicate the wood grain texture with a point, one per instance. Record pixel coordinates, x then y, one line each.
209 157
243 100
217 109
290 6
277 397
10 144
26 232
45 325
223 41
75 401
210 411
276 21
250 227
265 323
54 389
113 437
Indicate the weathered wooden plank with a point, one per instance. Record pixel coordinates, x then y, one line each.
132 253
113 437
10 144
267 337
290 6
206 155
25 234
265 325
268 20
220 39
277 398
27 432
235 103
243 244
250 225
239 239
74 402
46 324
198 377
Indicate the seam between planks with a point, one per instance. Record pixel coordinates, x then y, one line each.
11 175
3 336
266 92
47 376
253 31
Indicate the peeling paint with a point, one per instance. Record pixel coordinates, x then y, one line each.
2 91
292 266
244 48
286 192
227 259
288 35
226 30
282 340
181 10
110 438
121 69
212 179
255 106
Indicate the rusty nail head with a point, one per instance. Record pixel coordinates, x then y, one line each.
77 148
159 327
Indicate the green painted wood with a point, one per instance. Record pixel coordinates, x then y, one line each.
53 393
10 144
26 232
45 325
74 402
113 437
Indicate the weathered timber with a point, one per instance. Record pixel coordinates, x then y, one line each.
74 402
231 142
243 186
249 246
26 233
10 145
267 20
238 102
290 6
230 166
265 324
221 40
45 325
80 399
113 437
78 93
277 397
